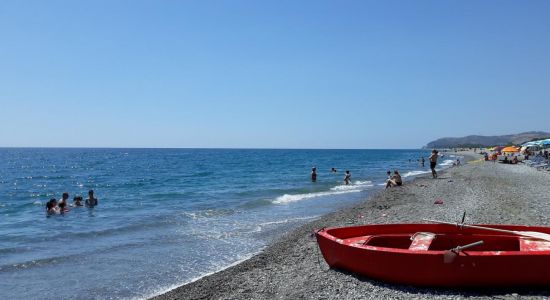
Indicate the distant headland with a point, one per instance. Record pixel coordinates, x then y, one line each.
487 141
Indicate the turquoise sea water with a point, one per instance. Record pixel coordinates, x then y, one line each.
165 216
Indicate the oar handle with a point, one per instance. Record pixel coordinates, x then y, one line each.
460 248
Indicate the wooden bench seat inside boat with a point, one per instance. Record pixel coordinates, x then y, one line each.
421 241
528 244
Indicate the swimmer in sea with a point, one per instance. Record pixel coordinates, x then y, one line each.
62 207
347 177
313 174
77 201
333 170
62 204
91 201
51 207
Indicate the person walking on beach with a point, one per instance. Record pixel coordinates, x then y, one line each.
347 177
433 162
91 201
313 174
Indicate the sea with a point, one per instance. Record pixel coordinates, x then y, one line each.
165 217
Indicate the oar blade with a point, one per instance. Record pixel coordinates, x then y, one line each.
449 256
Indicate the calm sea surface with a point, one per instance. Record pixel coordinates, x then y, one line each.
165 216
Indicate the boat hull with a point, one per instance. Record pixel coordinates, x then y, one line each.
343 248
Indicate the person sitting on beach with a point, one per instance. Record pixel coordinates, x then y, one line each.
91 201
433 162
347 177
514 160
388 178
77 201
395 180
456 163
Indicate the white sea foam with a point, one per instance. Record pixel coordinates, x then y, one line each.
447 162
357 185
284 221
414 173
358 182
286 198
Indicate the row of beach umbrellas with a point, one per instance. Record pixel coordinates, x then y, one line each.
540 143
508 149
513 149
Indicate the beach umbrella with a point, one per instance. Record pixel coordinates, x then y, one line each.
534 143
510 149
497 149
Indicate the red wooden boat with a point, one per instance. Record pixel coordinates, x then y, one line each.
418 254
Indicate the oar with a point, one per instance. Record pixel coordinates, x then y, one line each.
532 234
450 255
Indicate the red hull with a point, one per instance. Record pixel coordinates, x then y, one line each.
386 253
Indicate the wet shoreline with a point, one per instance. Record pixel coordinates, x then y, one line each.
292 267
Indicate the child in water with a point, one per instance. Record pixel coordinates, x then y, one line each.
77 201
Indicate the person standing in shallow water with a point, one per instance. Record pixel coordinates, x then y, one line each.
433 162
347 177
313 174
91 201
422 160
62 204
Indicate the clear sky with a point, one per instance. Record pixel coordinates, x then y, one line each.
276 74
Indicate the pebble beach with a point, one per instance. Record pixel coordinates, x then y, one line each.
293 268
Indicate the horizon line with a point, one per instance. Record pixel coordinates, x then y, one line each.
200 148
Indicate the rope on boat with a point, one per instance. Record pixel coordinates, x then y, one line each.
318 250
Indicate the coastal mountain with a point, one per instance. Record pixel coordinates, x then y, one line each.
487 141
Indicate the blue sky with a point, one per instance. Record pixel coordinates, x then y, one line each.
275 74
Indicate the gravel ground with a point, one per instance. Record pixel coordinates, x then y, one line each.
292 267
